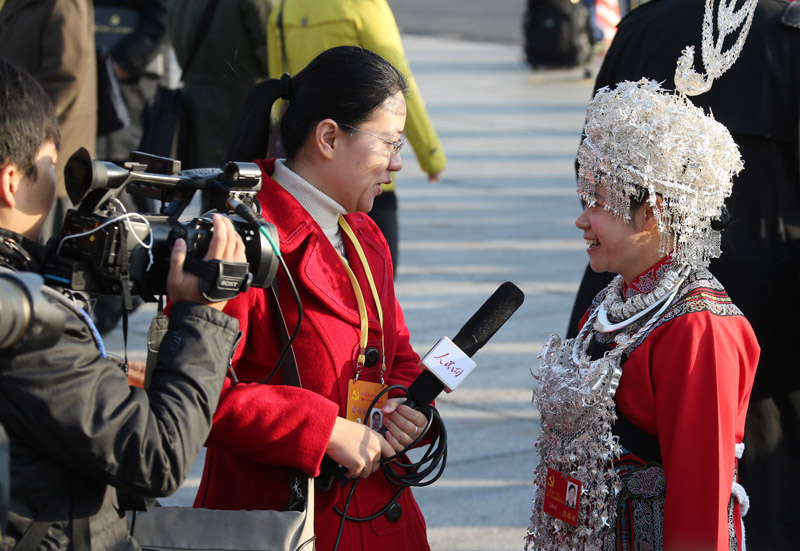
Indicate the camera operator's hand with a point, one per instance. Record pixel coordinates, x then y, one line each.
225 244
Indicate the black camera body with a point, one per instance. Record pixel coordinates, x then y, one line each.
105 250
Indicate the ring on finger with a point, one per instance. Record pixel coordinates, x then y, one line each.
416 428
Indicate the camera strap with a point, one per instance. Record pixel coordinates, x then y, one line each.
125 280
219 279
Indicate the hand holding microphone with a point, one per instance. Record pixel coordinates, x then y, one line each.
402 423
446 365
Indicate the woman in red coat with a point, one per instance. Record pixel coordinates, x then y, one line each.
342 132
643 412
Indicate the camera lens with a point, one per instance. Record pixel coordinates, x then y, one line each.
28 320
15 312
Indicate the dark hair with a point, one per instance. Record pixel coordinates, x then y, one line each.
27 118
346 84
639 198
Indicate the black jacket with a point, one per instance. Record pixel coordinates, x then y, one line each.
78 431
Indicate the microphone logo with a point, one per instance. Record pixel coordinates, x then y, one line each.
448 363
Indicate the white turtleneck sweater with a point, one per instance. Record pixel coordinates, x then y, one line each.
324 210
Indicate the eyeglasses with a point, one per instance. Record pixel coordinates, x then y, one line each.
396 146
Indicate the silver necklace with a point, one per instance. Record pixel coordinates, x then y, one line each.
603 325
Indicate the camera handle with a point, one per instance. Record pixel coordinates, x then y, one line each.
220 279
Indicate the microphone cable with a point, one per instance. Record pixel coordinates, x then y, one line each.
412 474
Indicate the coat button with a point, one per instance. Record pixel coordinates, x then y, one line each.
394 513
371 356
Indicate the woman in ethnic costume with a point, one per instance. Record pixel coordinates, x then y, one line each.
644 410
659 377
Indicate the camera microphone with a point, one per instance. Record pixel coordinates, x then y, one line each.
449 362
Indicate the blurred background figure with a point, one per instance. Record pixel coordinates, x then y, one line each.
567 33
758 99
608 14
301 29
559 33
230 59
595 30
54 42
132 35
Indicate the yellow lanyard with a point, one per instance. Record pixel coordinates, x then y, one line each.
362 309
2 3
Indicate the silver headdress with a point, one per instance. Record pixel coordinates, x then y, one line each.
640 139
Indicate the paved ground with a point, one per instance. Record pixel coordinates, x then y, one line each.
504 211
499 22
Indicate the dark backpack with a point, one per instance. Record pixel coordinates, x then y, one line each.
556 33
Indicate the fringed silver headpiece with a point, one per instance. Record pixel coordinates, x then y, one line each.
640 137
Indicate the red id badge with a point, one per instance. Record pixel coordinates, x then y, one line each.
359 396
562 496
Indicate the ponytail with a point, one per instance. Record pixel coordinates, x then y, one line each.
250 139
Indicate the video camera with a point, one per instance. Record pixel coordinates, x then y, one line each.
103 249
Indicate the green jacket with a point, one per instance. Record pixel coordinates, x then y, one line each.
312 26
231 58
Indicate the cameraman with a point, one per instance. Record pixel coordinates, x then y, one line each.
77 431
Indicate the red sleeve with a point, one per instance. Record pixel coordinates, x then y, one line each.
702 368
270 424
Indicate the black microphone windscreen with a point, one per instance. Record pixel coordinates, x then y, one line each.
489 318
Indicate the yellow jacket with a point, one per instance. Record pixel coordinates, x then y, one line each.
312 26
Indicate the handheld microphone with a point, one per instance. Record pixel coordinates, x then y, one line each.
448 363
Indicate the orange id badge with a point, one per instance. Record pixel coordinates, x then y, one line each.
562 497
360 395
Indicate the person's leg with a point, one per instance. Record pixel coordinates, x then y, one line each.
595 32
384 213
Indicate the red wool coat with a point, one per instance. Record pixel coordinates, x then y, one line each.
261 429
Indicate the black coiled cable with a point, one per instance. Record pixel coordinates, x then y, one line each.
421 473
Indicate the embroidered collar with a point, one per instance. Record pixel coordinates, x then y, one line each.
647 280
